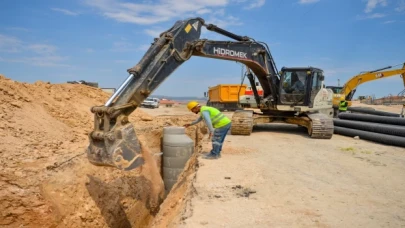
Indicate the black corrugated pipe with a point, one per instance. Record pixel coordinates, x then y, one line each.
371 136
371 127
372 112
373 119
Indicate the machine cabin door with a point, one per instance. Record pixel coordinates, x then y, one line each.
315 85
295 87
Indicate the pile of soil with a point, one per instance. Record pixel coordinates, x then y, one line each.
45 177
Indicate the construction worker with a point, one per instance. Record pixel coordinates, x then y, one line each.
343 104
218 125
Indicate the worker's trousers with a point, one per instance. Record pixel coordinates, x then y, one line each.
218 138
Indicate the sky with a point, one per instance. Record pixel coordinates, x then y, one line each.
98 40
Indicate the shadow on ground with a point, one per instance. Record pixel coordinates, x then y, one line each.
281 128
121 199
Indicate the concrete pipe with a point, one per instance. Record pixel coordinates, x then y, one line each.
177 149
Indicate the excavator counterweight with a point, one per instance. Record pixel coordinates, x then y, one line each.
113 141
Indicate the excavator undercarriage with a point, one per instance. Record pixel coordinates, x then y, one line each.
319 125
294 95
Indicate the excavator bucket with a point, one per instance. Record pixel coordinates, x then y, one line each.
120 149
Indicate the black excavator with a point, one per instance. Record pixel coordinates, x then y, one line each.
295 95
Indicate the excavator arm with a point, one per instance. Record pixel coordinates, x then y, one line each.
350 86
113 141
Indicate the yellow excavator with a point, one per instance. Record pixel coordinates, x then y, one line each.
349 88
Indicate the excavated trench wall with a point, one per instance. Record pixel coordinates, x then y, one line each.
46 180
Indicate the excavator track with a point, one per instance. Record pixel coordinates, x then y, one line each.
242 122
321 126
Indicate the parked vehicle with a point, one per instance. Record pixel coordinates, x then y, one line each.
151 102
225 96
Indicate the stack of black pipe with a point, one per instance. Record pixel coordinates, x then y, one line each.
382 127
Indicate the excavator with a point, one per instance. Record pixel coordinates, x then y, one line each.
113 141
349 88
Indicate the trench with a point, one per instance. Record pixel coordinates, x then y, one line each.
83 195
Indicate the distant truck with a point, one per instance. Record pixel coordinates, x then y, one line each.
151 102
225 96
109 90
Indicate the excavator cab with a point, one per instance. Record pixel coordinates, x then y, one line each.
299 86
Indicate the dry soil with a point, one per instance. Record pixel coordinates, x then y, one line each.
45 178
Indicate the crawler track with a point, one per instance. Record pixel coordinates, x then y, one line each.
321 126
242 122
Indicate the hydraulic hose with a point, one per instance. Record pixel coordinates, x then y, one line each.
371 127
373 119
371 136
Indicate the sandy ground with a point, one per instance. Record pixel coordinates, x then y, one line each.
45 177
278 177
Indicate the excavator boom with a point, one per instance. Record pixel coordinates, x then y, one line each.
113 141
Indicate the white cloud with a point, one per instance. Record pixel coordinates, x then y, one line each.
89 50
256 4
401 6
43 55
307 1
42 48
371 16
203 11
154 12
144 47
18 29
42 61
9 44
154 32
122 61
224 22
389 22
372 4
122 46
65 11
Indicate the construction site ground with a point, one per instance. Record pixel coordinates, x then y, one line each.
276 177
279 177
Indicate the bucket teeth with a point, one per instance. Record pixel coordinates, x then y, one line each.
122 151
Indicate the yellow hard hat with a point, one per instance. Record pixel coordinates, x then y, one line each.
342 98
192 104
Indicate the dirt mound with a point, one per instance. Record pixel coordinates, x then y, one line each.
45 178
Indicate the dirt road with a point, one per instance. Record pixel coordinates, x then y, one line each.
286 179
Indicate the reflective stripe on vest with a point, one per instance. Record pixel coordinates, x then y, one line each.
218 119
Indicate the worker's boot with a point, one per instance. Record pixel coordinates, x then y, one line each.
211 156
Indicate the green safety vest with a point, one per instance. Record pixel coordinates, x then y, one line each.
218 119
343 105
